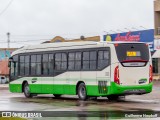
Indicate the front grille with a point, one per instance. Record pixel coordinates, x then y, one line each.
102 87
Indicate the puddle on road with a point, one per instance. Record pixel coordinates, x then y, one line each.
76 102
73 104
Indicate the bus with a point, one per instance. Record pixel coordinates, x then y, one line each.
86 69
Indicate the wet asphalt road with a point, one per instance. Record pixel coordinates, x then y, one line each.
17 102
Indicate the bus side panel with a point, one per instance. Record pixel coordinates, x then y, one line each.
34 84
16 85
47 85
72 79
89 78
58 83
17 88
103 81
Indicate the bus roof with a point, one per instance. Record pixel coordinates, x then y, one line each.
63 45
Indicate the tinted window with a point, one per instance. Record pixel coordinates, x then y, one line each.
58 57
78 56
38 58
134 51
60 61
51 63
85 55
93 55
27 59
89 60
33 58
45 58
22 65
71 58
103 59
74 61
36 64
45 64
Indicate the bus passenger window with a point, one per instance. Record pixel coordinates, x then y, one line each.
27 65
103 59
45 64
51 64
22 64
85 61
93 59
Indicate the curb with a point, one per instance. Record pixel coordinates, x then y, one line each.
4 88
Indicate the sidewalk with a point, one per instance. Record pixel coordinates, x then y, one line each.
4 86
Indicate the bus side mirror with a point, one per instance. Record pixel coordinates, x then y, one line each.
9 64
14 64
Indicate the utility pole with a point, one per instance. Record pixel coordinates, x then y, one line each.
8 41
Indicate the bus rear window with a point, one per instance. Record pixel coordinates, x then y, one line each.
132 52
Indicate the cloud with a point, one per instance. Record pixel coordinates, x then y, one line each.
72 18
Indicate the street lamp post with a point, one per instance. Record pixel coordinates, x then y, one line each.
8 41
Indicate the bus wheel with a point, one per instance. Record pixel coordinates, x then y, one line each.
82 92
26 90
113 97
57 95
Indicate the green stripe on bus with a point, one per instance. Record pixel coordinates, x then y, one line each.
92 90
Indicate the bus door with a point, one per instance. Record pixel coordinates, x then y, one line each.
104 69
134 66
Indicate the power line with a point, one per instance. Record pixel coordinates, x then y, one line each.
26 40
6 7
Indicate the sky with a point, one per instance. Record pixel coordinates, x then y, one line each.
36 21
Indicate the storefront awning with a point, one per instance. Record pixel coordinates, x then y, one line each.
156 54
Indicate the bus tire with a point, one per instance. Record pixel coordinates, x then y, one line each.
57 95
26 90
82 94
113 97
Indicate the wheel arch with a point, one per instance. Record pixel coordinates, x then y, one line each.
78 83
25 81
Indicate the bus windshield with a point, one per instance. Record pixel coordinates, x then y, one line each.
132 52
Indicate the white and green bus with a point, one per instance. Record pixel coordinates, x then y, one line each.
82 68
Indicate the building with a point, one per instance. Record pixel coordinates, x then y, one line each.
157 18
5 53
156 56
82 38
